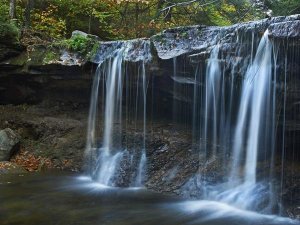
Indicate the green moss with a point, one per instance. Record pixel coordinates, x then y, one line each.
50 56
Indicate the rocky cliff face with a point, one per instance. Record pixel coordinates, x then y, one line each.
26 73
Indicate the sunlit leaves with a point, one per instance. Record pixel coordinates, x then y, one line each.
48 22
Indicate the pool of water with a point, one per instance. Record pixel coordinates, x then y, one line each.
67 199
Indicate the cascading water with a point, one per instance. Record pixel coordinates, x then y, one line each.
250 127
238 143
226 100
255 93
141 172
105 162
212 95
108 160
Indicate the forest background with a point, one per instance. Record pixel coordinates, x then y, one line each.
50 20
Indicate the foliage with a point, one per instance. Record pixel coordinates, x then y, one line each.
90 16
79 43
4 11
284 7
8 30
47 22
125 19
85 45
50 56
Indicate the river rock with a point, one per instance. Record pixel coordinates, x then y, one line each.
9 143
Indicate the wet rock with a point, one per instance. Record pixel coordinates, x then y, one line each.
134 50
289 29
9 144
182 40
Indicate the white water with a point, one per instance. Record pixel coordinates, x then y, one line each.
91 131
242 189
255 94
105 160
141 172
236 126
212 94
113 106
262 72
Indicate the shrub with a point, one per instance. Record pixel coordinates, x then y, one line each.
84 45
9 33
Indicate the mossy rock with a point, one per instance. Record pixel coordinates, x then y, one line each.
85 45
43 55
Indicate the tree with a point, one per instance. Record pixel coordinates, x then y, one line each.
119 19
12 9
283 7
28 8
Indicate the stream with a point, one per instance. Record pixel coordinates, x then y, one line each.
67 198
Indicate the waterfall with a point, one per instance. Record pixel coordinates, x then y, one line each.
107 156
220 106
236 126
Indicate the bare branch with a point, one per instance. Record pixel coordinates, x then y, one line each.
168 8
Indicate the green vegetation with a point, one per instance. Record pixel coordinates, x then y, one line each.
80 44
125 19
85 45
50 56
9 32
284 7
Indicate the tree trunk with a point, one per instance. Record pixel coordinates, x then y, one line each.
12 9
159 6
28 9
90 24
137 8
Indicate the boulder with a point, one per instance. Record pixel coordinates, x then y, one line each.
83 34
79 33
9 144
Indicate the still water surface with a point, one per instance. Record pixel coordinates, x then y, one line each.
44 199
